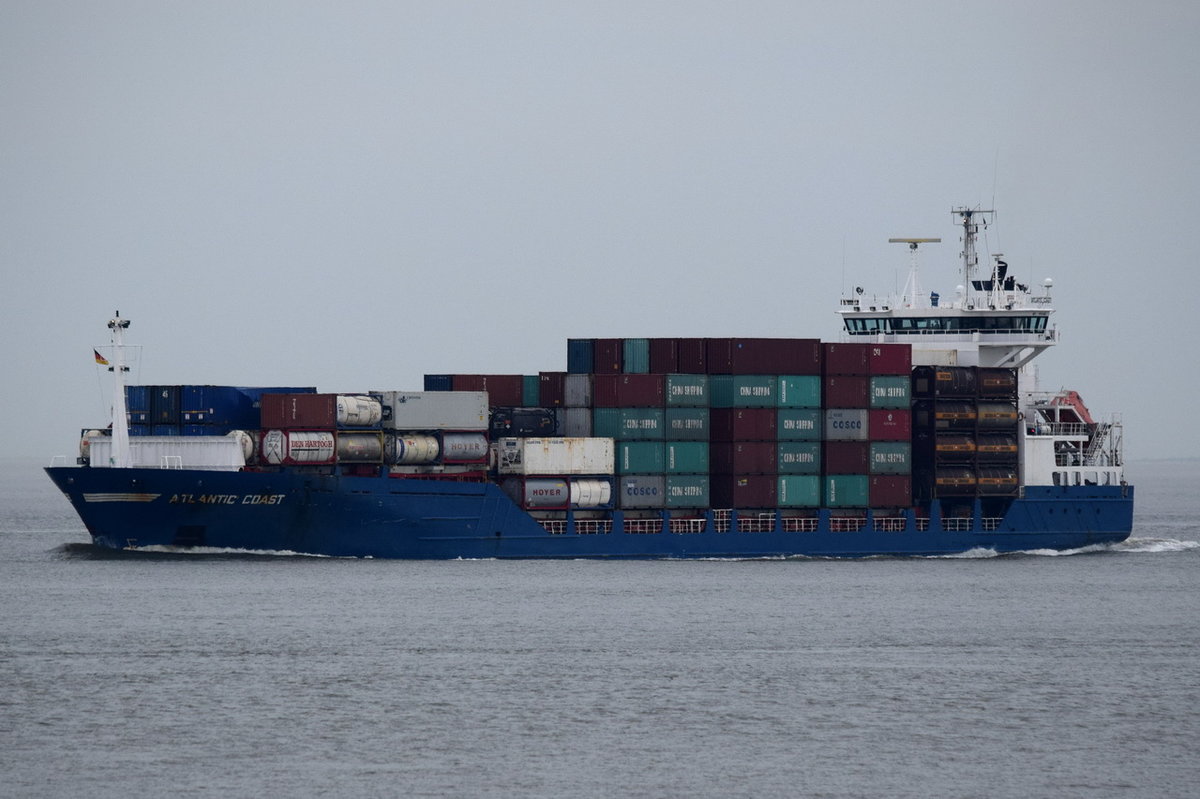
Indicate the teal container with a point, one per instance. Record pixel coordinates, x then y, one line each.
891 391
743 391
687 424
686 457
637 356
687 491
799 491
686 391
799 391
891 457
639 457
626 424
846 490
531 391
799 457
799 424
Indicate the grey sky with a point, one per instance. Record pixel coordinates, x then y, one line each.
350 195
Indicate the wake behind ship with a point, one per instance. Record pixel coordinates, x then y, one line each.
921 433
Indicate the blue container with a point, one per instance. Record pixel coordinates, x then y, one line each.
164 430
137 404
204 429
139 430
580 354
164 405
217 405
439 382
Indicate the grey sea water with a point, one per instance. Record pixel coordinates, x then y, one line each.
204 675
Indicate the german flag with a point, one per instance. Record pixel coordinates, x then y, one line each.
100 358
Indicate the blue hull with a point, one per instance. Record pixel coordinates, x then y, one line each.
406 518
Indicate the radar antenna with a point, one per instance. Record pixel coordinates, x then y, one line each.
912 297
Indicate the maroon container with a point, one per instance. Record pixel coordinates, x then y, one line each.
889 359
628 391
504 391
609 356
845 359
847 391
299 411
693 356
884 425
763 356
846 457
743 490
552 389
890 491
742 424
664 356
743 457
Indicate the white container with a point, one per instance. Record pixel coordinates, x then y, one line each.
541 493
286 446
436 410
212 453
531 456
412 450
358 411
464 447
591 493
359 447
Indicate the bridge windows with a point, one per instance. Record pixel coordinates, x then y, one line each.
868 326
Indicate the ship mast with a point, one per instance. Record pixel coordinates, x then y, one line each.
120 423
912 297
970 231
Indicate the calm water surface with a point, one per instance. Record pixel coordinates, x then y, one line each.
230 675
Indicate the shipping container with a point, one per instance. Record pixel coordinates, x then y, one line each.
890 491
798 457
628 423
744 491
842 424
944 446
945 415
997 448
997 481
890 359
955 481
581 355
891 391
997 415
686 490
575 422
359 447
742 424
226 405
847 491
577 390
664 355
687 424
693 356
164 430
641 491
540 493
464 447
531 391
799 424
640 457
847 391
609 356
432 383
845 359
212 453
164 404
888 425
537 422
503 390
434 410
298 447
299 411
743 457
555 456
799 391
743 391
628 391
751 356
686 457
686 390
997 383
137 404
411 450
636 356
799 491
890 457
846 457
552 389
930 382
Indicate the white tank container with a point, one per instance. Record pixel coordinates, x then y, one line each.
85 443
413 450
358 411
545 493
460 447
245 441
359 448
286 446
591 493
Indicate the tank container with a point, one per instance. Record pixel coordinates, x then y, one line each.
944 381
359 447
890 491
891 392
635 356
743 457
411 449
641 491
686 490
996 481
847 391
846 457
464 447
552 391
434 410
799 424
577 390
743 424
997 415
686 390
541 493
997 447
890 457
318 411
887 425
686 457
743 391
955 481
664 355
997 383
744 490
945 415
640 457
609 356
357 411
890 359
555 456
799 491
628 423
523 422
627 391
688 424
846 490
842 424
531 391
799 391
845 359
298 447
798 457
591 492
581 355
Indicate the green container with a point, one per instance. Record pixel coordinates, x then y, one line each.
799 491
799 424
686 457
639 457
891 391
846 490
799 457
687 491
743 391
689 391
687 424
799 391
637 356
626 424
531 391
891 457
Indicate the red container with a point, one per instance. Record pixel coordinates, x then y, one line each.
763 356
847 391
889 359
609 356
890 491
743 457
693 356
504 391
884 425
552 389
664 356
846 457
299 411
742 424
628 391
743 490
845 359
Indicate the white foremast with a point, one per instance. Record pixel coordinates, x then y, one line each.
120 423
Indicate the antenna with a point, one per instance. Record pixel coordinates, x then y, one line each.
912 288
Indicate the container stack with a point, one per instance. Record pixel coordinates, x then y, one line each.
553 474
321 429
196 410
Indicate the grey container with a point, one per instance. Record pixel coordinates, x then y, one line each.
641 491
434 410
577 391
846 424
575 422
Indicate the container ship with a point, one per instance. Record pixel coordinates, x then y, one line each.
921 432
